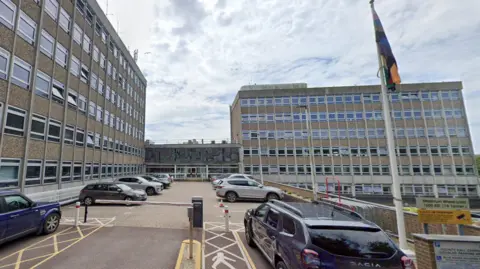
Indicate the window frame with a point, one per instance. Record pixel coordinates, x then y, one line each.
64 14
14 130
13 8
52 13
37 135
36 180
51 137
26 19
24 65
62 49
10 162
5 54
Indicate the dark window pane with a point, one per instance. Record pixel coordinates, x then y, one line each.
33 171
272 219
288 225
15 121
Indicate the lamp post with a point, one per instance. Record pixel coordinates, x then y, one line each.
310 149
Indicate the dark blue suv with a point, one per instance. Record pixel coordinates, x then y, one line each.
20 216
320 236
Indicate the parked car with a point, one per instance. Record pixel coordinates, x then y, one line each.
20 216
317 235
140 183
246 189
162 176
110 191
166 183
218 180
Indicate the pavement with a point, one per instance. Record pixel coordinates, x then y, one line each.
146 236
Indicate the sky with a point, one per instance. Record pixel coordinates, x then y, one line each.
196 54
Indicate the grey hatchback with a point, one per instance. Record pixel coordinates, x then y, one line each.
110 191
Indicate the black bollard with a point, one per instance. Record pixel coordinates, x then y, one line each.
86 213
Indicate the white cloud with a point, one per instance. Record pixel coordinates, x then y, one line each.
202 52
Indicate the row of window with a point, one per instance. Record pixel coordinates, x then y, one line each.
359 169
355 133
359 151
352 116
47 172
28 27
366 98
43 128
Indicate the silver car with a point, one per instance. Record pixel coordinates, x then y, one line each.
139 183
234 189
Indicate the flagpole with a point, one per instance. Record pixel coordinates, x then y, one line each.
397 194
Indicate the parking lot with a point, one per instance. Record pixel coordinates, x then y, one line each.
146 236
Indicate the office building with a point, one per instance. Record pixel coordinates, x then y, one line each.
72 97
432 138
193 159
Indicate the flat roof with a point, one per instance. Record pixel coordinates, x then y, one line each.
227 145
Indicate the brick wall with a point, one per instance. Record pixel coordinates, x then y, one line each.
425 254
384 216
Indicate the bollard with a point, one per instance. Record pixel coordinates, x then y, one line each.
190 231
227 219
77 213
86 213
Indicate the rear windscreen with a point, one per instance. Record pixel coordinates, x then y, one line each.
345 241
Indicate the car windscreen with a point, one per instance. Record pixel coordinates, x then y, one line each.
224 176
353 241
124 187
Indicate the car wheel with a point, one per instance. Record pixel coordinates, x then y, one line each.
272 196
248 235
51 223
127 199
231 197
88 201
150 191
281 265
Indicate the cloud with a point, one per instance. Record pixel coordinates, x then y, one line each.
203 51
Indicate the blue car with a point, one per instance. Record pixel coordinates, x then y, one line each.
20 216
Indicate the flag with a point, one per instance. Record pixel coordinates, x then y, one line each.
390 64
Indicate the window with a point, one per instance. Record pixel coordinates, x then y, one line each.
86 44
107 93
79 137
93 81
16 202
15 121
4 59
107 117
26 28
66 171
9 172
34 172
96 53
288 225
99 114
91 109
82 103
47 43
58 91
21 73
42 84
62 55
77 171
51 7
72 98
97 141
75 66
100 86
69 134
272 219
50 172
37 129
102 60
54 128
90 139
7 14
85 73
77 34
64 20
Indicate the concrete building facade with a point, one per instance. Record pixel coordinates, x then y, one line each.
433 143
72 98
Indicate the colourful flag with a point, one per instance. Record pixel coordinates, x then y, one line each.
391 69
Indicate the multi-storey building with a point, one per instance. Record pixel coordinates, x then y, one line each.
72 98
431 132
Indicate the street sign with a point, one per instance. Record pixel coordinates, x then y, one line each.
459 255
443 203
445 216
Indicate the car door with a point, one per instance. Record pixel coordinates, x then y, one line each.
100 191
254 191
258 230
22 218
114 193
3 220
241 187
136 184
270 225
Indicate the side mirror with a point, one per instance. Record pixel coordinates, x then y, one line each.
119 190
260 186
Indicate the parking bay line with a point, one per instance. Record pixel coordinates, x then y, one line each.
244 250
67 247
34 244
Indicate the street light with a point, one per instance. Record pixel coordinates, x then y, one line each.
310 150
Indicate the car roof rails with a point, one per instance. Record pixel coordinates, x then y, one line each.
340 209
286 206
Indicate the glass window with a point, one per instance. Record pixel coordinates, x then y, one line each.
26 28
7 13
47 43
58 91
85 73
16 202
51 7
4 59
79 137
42 84
288 225
50 173
15 121
9 172
87 44
34 172
64 20
77 34
54 130
82 103
62 55
272 219
21 73
37 129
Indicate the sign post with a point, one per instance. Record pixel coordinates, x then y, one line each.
444 211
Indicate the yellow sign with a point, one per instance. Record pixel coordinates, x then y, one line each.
444 216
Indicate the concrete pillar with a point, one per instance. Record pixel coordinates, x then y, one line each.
353 190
